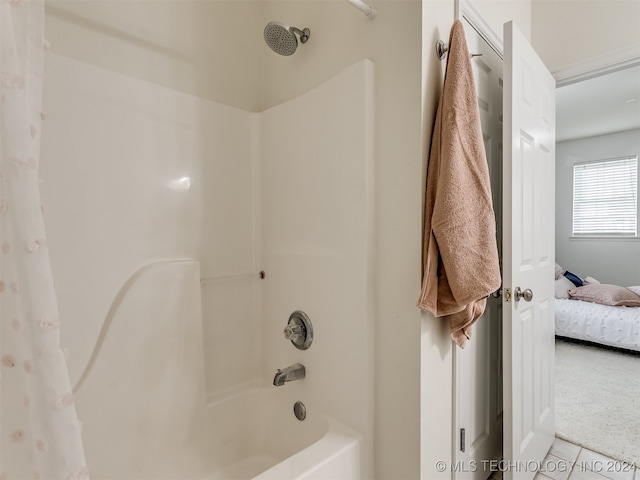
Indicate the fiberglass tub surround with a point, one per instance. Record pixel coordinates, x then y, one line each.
178 340
152 382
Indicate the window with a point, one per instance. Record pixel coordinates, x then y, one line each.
605 198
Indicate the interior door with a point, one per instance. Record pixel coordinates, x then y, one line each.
528 256
478 367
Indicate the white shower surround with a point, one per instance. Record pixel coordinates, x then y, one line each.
136 173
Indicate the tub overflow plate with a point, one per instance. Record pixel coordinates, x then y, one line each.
299 410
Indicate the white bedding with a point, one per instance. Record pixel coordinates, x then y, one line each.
613 326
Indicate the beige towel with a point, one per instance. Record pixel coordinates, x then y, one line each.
460 255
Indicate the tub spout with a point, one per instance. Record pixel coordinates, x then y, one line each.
288 374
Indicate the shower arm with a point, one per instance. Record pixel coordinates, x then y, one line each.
304 34
368 10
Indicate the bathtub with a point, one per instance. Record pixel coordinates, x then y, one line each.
273 444
145 416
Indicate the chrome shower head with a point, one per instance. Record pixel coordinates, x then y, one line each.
282 39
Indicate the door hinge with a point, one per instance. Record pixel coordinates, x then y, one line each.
462 439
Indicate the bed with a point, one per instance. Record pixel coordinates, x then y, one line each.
600 313
614 326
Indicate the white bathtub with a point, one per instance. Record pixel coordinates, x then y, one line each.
336 456
144 412
273 444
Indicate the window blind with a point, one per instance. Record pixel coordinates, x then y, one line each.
605 197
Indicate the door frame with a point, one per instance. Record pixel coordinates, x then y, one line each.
471 461
463 9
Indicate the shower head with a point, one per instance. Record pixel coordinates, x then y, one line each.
282 38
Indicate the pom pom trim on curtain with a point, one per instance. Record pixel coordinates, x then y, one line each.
39 428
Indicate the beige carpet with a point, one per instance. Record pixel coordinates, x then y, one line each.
598 399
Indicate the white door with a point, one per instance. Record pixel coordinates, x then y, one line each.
528 256
478 368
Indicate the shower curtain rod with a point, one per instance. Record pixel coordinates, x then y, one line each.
368 10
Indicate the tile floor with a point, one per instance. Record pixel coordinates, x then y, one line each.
566 461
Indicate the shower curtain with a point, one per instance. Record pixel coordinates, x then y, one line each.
38 423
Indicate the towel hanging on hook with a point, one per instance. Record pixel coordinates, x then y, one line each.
460 261
442 48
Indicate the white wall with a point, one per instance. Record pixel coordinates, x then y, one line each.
436 358
615 261
566 32
134 172
497 12
317 212
340 36
211 49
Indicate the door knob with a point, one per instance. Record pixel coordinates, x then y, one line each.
526 294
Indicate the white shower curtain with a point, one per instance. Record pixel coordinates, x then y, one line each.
38 424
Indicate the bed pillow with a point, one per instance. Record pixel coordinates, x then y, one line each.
606 294
575 279
559 271
563 285
635 289
589 280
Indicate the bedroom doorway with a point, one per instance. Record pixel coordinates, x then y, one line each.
597 383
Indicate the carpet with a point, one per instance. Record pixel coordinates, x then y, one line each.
598 399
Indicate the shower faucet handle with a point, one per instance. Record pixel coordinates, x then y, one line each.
293 332
299 330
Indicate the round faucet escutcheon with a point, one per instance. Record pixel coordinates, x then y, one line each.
299 330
